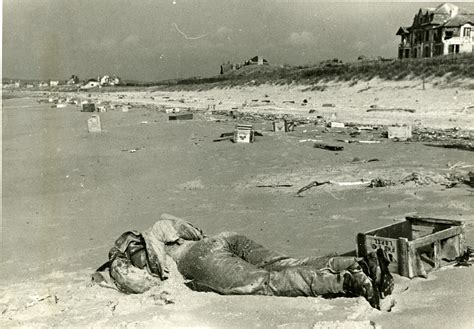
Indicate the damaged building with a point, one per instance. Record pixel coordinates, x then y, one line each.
446 29
256 60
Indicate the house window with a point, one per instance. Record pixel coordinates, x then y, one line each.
448 35
467 32
453 49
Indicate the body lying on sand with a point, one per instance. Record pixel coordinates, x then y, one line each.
232 264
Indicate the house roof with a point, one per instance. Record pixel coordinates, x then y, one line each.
446 14
460 20
403 30
254 59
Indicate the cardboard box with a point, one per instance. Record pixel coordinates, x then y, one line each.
416 243
93 124
401 133
244 134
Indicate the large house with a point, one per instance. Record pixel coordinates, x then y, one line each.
446 29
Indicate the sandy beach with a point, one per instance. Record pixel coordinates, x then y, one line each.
68 194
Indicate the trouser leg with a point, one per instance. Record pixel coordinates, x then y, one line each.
232 264
258 255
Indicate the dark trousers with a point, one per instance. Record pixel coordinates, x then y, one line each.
232 264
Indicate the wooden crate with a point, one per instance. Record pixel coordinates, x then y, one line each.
283 126
244 134
279 126
93 124
401 133
179 117
415 242
88 107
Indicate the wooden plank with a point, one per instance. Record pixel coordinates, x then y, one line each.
403 257
431 238
436 254
432 221
361 248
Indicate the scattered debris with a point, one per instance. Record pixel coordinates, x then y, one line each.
131 150
310 186
402 133
329 105
428 134
380 182
368 142
317 183
312 111
328 147
276 185
93 124
374 108
61 106
350 141
336 125
359 160
418 179
364 128
465 258
310 140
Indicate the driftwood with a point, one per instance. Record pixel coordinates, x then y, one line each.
383 109
276 185
328 147
316 183
311 185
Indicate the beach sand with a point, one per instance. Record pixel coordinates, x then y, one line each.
68 194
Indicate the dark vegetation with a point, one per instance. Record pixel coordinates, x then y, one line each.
452 68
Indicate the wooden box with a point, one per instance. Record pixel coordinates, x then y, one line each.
279 126
179 117
283 126
401 133
244 134
88 107
416 243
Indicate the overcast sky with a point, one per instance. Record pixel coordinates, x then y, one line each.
152 40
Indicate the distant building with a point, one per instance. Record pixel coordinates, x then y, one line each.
74 80
257 60
446 29
53 83
107 80
17 84
92 83
42 84
228 67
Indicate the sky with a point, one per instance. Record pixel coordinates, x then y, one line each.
153 40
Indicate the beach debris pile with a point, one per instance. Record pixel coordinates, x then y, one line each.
466 258
421 134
